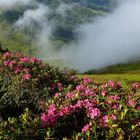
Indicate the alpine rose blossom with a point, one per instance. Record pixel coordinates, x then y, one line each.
27 76
7 55
86 128
44 118
24 59
93 112
6 63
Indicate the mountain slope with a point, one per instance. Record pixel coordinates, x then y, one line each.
63 32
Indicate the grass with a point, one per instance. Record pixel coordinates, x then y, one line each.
128 77
129 72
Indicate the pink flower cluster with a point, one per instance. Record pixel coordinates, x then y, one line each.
51 118
7 55
57 85
136 85
105 119
86 128
87 80
54 114
112 100
18 64
131 102
93 112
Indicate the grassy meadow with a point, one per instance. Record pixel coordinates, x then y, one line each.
121 72
129 78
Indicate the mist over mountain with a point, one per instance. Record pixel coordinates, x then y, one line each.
27 20
80 34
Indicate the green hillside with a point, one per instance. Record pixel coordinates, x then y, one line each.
129 72
132 68
64 30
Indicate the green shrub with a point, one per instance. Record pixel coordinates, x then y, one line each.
29 80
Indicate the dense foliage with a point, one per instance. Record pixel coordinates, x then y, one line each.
51 104
25 81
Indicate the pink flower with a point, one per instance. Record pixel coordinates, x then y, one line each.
34 60
87 103
17 70
60 86
103 92
114 98
113 117
86 80
24 59
48 120
106 118
44 118
67 110
27 76
93 112
6 63
70 95
138 107
7 55
111 83
136 85
56 95
12 63
89 92
78 105
131 102
116 106
52 110
86 128
119 84
80 87
26 70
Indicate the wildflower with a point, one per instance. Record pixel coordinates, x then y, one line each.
60 86
52 110
56 95
136 85
131 102
86 128
17 70
34 60
93 112
12 63
26 70
113 97
105 119
65 110
27 76
111 83
103 92
86 80
7 55
24 59
119 84
6 63
138 107
44 118
70 95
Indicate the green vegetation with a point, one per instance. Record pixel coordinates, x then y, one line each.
39 102
129 78
129 72
131 68
24 40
